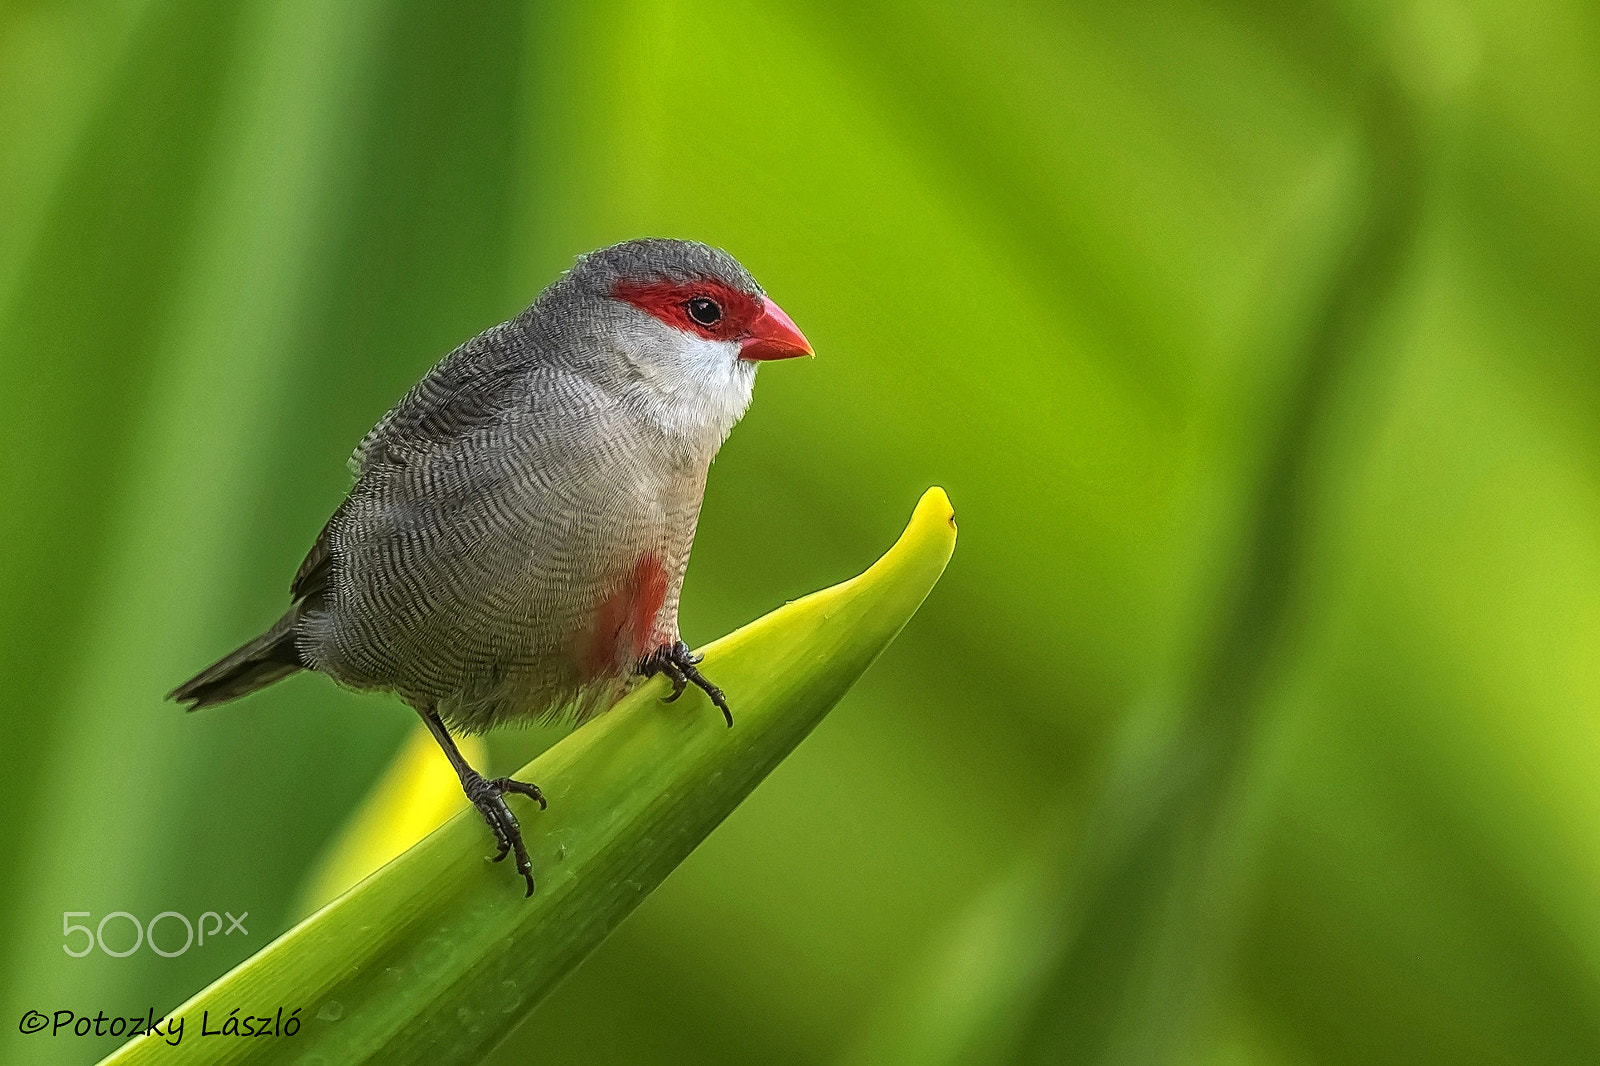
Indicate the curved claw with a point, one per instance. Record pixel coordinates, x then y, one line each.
489 797
521 788
679 663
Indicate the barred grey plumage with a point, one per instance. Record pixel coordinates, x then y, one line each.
516 538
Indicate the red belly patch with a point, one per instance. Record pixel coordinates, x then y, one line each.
624 625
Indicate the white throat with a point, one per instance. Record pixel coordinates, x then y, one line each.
696 389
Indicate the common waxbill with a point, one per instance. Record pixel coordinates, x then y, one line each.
516 538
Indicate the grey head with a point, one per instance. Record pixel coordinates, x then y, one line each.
675 327
658 260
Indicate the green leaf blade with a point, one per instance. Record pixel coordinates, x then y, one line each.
438 956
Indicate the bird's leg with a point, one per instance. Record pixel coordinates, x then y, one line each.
488 795
680 665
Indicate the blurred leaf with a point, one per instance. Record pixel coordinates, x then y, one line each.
438 956
1140 929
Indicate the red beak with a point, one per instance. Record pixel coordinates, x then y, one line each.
773 335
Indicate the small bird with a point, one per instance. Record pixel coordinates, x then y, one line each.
515 541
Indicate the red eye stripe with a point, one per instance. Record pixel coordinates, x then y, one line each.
668 301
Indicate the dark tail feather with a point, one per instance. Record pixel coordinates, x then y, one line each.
270 657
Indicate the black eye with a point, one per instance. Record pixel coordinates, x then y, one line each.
704 311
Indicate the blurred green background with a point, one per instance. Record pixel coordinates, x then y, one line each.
1257 718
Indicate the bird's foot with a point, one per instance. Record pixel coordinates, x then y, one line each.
488 795
681 666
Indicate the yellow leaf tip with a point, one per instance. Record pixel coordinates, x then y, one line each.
934 506
930 535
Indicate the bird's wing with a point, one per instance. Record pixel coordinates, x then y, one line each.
470 387
460 393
